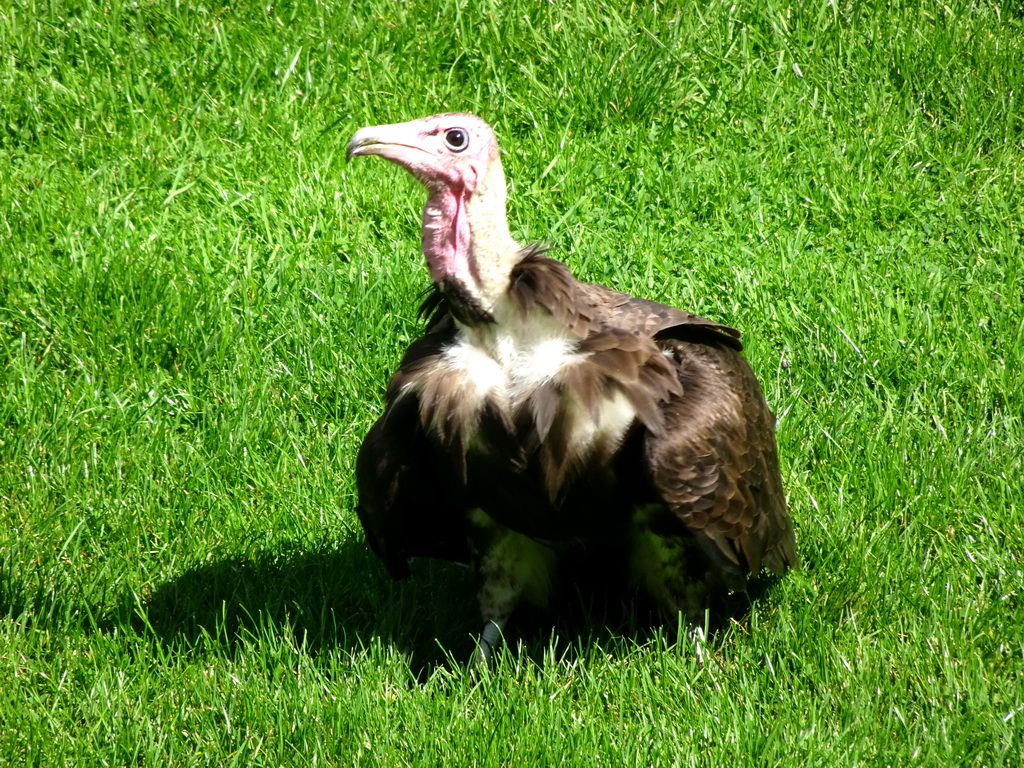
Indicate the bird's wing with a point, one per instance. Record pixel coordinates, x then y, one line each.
711 454
715 464
404 507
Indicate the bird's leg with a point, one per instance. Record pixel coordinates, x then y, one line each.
671 570
490 638
690 604
696 634
500 587
510 568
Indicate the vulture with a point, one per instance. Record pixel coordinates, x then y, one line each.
549 431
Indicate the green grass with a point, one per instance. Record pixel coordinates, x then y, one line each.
200 304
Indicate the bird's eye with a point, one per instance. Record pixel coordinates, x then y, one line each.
456 139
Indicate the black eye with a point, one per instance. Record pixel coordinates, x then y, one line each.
456 139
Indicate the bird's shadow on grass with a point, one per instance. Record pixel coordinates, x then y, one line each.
339 596
333 597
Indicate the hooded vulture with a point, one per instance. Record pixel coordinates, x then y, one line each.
547 430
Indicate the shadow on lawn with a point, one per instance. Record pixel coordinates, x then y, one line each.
342 597
334 597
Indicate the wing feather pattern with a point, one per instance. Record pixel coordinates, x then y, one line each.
716 465
404 509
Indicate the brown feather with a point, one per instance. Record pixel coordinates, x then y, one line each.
544 404
734 504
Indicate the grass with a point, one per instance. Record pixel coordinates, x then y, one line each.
200 304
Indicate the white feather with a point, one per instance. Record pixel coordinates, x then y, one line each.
509 359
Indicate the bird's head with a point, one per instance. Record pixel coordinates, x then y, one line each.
465 234
452 150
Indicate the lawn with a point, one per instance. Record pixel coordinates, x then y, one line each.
200 303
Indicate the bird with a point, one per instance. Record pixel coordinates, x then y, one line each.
547 431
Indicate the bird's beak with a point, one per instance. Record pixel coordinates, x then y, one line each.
397 142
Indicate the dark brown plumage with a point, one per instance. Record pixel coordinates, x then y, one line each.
542 423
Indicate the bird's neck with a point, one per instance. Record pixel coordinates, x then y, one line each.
466 240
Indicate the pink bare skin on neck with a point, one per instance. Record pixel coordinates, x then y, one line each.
446 234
